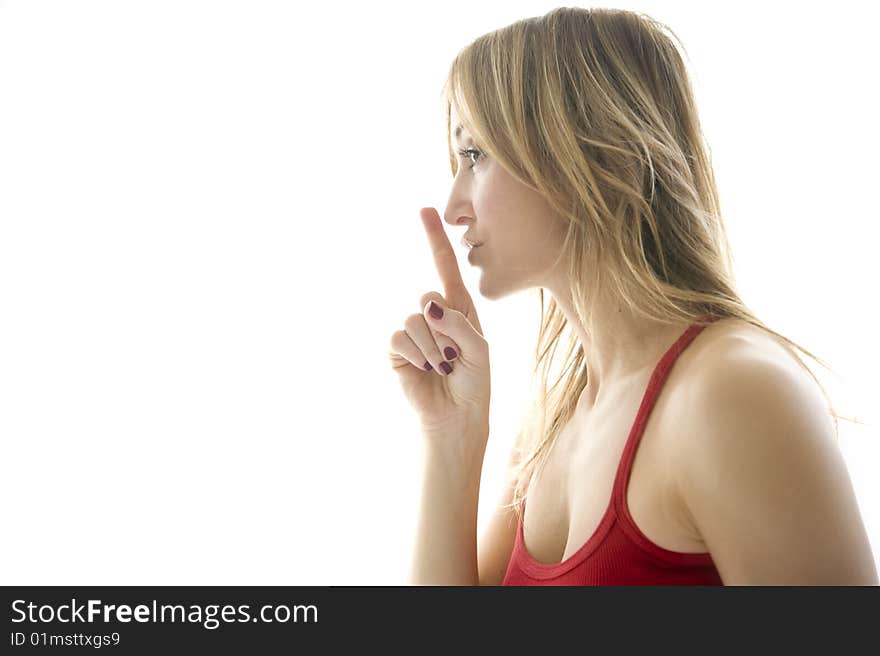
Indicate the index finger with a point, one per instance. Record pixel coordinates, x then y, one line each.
444 256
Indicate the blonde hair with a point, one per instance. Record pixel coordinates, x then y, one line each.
593 109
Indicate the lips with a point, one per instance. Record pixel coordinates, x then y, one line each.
468 243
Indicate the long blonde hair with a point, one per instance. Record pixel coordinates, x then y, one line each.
594 110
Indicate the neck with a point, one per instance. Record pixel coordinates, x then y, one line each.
622 345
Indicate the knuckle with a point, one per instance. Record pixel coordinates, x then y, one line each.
432 350
453 318
413 321
397 339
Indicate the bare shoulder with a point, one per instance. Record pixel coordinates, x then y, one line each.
736 374
733 341
757 469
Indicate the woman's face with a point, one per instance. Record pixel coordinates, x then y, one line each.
520 233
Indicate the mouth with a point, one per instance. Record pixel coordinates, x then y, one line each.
470 245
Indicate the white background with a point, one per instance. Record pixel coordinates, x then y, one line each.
209 231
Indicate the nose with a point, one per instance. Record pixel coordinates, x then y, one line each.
458 210
454 219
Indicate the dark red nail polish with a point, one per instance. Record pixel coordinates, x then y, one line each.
446 367
450 353
435 310
428 366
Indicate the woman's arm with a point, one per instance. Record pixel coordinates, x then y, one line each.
445 549
762 477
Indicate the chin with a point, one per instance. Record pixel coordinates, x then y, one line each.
492 292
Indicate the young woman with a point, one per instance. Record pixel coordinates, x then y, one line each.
683 442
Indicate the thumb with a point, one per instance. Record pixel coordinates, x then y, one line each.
455 325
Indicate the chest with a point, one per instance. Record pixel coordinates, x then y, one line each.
568 498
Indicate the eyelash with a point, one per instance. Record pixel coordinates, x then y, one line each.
465 152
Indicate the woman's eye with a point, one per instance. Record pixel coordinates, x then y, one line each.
470 152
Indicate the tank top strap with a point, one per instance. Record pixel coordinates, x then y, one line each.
655 384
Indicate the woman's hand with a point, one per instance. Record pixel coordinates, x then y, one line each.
448 404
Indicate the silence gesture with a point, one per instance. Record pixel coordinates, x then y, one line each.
441 357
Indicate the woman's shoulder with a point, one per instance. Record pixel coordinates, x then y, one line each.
735 378
734 346
736 375
756 466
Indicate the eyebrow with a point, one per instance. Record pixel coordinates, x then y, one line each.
458 130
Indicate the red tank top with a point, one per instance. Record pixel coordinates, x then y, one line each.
618 553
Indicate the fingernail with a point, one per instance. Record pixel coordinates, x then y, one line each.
435 310
450 353
446 367
428 366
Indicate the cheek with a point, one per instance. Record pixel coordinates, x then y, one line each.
495 200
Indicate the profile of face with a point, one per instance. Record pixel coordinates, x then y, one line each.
519 233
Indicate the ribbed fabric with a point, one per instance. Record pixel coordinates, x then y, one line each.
618 553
